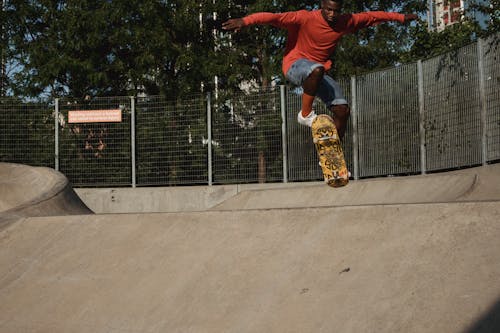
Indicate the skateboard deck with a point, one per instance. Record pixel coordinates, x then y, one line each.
331 157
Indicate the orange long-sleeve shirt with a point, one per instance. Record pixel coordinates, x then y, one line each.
311 37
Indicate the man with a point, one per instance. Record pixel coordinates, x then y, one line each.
312 38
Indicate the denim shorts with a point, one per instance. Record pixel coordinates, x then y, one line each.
329 90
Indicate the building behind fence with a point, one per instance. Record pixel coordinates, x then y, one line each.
438 114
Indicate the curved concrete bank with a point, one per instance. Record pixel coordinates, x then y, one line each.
21 185
400 268
36 191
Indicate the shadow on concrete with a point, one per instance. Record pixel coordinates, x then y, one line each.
489 323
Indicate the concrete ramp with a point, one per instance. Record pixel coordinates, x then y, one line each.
36 191
398 268
415 254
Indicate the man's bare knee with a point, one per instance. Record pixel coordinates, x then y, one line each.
312 82
318 72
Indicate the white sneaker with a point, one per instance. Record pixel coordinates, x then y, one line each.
307 121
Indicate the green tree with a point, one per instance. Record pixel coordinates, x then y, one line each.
481 19
86 47
4 48
94 47
26 132
491 13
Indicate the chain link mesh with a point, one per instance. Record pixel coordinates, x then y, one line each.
171 141
491 61
95 154
460 118
247 141
27 132
388 122
452 110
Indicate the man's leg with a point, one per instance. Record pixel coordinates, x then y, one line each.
340 117
331 94
310 86
308 75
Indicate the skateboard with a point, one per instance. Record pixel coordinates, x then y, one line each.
331 157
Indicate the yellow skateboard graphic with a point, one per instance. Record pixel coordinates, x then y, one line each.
331 157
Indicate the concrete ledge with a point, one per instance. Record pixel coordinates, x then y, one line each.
473 184
155 199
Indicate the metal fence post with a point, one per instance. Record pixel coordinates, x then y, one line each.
132 140
283 133
209 134
421 108
56 134
482 97
354 119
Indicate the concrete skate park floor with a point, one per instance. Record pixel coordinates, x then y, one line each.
408 254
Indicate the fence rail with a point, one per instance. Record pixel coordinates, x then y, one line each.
432 115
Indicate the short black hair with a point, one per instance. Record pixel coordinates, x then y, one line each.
340 2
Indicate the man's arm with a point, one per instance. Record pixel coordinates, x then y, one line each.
280 20
233 24
367 19
410 17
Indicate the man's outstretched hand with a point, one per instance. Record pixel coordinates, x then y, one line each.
233 24
410 17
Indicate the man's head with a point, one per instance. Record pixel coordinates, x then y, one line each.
330 9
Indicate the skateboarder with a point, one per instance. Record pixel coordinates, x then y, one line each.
312 38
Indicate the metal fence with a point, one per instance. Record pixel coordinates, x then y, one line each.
432 115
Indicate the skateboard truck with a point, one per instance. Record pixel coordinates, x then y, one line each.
325 138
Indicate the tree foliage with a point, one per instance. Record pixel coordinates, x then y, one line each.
103 48
428 43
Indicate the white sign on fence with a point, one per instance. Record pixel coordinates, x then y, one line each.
95 116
